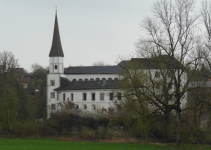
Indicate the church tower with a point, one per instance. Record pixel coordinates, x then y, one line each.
56 68
56 54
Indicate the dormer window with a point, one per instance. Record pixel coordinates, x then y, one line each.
55 66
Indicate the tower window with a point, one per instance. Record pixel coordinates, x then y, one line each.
52 94
53 107
55 66
52 82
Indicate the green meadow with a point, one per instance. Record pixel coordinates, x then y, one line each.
49 144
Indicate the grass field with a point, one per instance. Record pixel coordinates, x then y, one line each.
49 144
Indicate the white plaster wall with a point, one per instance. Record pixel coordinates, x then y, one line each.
56 78
78 99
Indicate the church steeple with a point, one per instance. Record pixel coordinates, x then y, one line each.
56 48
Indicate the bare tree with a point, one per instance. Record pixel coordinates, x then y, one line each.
206 17
8 61
100 63
171 33
39 74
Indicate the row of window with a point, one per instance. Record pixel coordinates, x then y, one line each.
94 107
52 82
53 106
84 96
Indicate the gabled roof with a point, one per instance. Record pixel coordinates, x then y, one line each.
88 85
56 48
93 70
159 62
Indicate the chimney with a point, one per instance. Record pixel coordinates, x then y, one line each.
104 82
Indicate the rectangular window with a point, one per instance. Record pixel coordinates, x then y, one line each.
93 107
85 107
53 107
76 107
72 97
57 97
84 96
157 74
55 66
64 97
102 96
93 96
111 96
119 96
52 94
52 82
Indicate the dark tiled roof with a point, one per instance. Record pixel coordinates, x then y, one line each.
64 81
160 62
56 48
93 70
88 85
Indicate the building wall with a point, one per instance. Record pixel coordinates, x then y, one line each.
50 89
89 76
56 61
78 99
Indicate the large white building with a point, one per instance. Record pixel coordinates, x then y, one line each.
89 87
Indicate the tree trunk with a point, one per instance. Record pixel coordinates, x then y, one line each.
166 118
178 123
38 123
8 112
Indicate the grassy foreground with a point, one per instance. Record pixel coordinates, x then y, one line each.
49 144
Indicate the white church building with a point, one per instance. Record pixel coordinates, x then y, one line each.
88 87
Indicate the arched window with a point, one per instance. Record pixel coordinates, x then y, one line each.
97 79
103 78
116 79
80 80
86 79
74 80
91 79
109 79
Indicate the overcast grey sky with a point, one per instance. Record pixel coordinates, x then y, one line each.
90 30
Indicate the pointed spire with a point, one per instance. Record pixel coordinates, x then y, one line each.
56 48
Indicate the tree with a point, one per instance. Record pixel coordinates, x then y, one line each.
171 33
100 63
8 93
39 74
206 17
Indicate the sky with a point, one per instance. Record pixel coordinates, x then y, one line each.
90 30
